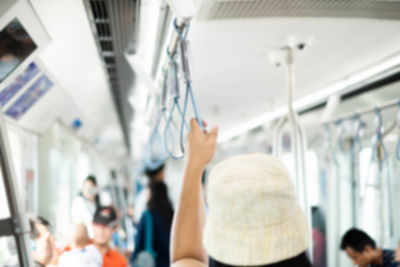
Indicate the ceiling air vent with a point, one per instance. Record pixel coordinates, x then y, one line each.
236 9
115 28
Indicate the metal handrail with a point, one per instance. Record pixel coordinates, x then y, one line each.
20 225
298 137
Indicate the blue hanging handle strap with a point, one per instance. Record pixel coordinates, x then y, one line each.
328 136
148 241
185 60
188 80
184 46
173 84
357 134
339 124
154 161
379 138
182 34
167 129
163 101
398 141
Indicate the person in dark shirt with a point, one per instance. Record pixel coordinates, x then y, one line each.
362 250
161 212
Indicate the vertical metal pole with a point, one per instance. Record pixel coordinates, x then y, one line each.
292 120
13 198
278 135
298 138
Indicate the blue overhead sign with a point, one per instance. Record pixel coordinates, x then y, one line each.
7 93
30 97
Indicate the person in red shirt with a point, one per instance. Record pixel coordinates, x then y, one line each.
104 225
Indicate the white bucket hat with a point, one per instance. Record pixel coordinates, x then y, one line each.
253 218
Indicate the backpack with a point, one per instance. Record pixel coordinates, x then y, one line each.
146 257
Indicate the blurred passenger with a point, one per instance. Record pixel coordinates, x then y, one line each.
40 238
362 250
105 223
155 173
160 212
86 203
319 237
81 254
57 251
397 254
253 217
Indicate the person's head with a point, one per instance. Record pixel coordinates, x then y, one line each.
78 236
159 200
104 225
41 240
254 218
155 173
359 246
89 190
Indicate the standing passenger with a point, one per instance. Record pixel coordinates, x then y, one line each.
362 250
85 205
253 215
153 174
104 225
161 212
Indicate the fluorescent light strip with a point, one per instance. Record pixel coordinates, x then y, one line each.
314 98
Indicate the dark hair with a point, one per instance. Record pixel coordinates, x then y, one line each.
159 201
33 220
152 172
357 240
298 261
91 178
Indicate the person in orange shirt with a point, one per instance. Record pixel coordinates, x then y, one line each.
104 225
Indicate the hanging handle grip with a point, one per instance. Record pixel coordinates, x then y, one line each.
379 138
398 141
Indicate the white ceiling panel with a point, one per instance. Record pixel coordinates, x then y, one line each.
235 81
73 59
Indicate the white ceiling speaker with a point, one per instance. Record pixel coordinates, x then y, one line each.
300 42
295 42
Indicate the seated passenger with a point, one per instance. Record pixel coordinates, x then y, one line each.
362 249
160 211
104 225
81 254
253 218
40 238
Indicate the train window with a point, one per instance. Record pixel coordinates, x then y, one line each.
8 252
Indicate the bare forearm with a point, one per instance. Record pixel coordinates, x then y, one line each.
189 218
